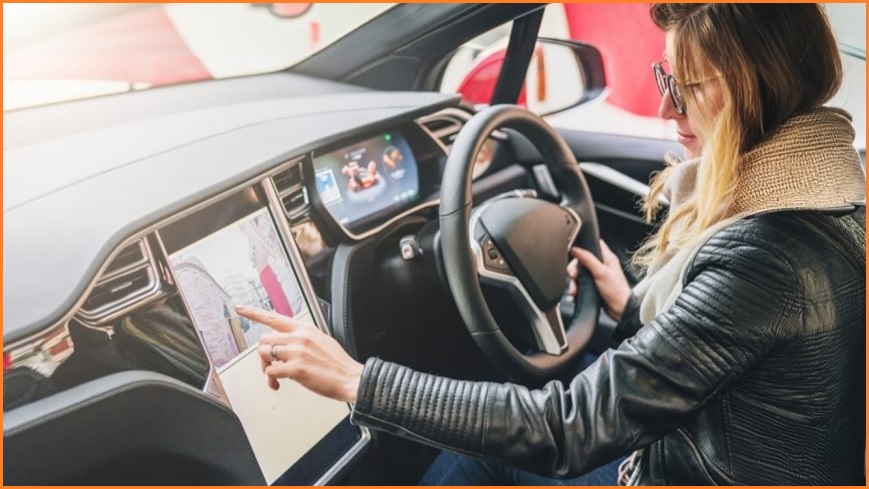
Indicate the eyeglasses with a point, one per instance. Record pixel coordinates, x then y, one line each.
667 83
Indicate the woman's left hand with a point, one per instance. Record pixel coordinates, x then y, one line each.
612 285
301 352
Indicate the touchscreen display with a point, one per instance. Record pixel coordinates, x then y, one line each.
364 181
244 262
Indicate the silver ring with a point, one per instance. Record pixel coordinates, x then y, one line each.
274 352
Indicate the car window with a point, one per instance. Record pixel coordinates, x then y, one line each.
55 52
849 24
473 70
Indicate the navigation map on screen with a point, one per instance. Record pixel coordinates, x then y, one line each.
243 263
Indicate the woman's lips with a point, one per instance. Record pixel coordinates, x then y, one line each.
685 139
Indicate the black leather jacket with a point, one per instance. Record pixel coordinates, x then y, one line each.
755 376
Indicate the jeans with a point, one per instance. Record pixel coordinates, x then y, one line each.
453 469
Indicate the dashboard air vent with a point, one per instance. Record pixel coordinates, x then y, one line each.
128 257
128 279
291 189
289 178
445 125
117 289
441 125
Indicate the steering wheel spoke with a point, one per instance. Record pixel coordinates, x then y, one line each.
547 326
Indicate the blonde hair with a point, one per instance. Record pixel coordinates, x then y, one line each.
773 61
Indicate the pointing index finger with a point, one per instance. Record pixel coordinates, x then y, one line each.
271 319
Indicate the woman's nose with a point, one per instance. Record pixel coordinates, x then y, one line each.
666 109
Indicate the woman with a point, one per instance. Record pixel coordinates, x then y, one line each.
746 358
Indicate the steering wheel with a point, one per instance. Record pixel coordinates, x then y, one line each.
520 244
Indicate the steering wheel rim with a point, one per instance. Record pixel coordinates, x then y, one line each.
461 262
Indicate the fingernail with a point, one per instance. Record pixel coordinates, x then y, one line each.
240 308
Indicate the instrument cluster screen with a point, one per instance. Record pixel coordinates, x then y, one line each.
367 180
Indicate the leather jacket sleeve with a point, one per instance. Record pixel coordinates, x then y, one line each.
737 298
629 323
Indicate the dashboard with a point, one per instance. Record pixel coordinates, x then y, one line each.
92 190
124 256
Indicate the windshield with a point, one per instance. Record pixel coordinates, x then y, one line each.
56 52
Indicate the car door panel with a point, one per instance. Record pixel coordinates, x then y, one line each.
618 170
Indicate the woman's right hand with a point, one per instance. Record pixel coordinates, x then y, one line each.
612 285
303 353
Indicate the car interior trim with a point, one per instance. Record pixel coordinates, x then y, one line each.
371 232
346 460
618 179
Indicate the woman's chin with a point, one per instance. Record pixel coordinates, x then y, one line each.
692 151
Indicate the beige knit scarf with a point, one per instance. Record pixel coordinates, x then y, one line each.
808 163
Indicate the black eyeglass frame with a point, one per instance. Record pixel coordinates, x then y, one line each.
667 83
